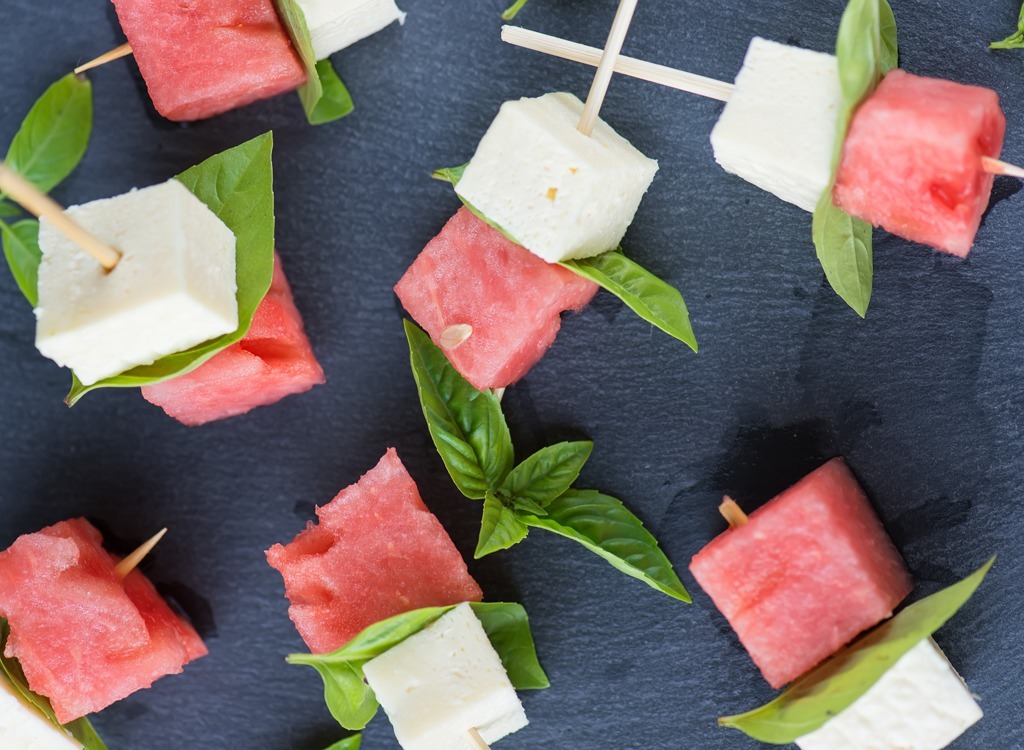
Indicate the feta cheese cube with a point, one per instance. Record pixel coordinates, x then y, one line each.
24 728
779 126
337 24
921 703
556 191
438 684
173 288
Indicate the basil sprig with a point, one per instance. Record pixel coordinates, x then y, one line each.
513 9
834 686
238 186
866 49
470 432
652 299
48 146
1016 39
323 95
352 702
10 670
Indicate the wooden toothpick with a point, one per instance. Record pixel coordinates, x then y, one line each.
475 740
115 54
605 68
732 513
37 202
456 335
128 564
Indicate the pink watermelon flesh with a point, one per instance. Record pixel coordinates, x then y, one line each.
84 637
200 58
274 360
912 160
812 569
471 274
376 552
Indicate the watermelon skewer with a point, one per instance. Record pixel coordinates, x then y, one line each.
130 563
117 53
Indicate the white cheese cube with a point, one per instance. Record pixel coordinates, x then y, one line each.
779 125
22 727
173 288
337 24
443 681
558 192
921 703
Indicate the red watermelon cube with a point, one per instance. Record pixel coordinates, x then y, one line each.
472 276
203 57
272 361
810 570
377 552
912 160
84 637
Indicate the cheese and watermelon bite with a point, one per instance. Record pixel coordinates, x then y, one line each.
174 286
921 703
272 361
23 727
493 307
84 636
336 24
557 192
376 552
441 682
202 58
811 569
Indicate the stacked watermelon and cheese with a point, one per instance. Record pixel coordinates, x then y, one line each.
493 304
912 159
84 636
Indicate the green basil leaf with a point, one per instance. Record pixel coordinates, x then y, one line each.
323 95
352 742
238 186
449 174
514 9
376 639
10 670
1015 40
526 505
508 628
9 210
500 527
349 699
467 425
843 246
21 248
648 296
54 136
836 684
603 525
548 473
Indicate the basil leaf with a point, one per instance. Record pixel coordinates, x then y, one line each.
54 135
648 296
508 628
467 425
323 95
548 473
449 174
21 248
843 246
603 525
10 670
500 528
514 9
376 639
349 699
351 742
1015 40
835 685
238 186
9 210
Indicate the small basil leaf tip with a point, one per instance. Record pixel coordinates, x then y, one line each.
352 742
836 684
547 473
513 10
1016 39
500 527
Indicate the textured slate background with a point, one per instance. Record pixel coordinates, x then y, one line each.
922 397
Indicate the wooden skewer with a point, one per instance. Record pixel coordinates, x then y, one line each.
605 68
475 740
115 54
36 202
131 562
732 513
665 76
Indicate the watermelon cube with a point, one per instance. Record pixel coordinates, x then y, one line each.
471 278
201 58
810 570
912 160
84 636
377 552
272 361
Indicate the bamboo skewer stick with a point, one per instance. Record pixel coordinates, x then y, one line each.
732 513
128 564
38 203
605 68
115 54
475 740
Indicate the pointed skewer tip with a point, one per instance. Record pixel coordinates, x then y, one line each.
128 564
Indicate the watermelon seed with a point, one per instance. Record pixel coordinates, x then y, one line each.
455 336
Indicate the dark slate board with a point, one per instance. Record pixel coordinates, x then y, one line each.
922 397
